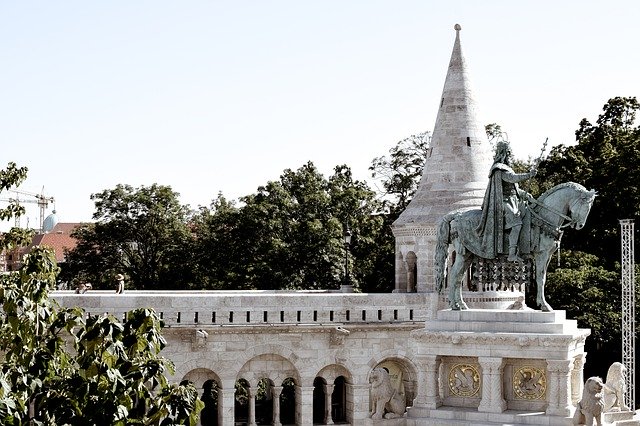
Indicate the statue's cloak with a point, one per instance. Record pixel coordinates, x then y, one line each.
482 231
491 227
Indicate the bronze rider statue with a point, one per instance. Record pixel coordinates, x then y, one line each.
504 205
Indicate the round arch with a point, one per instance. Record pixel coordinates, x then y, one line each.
270 366
199 376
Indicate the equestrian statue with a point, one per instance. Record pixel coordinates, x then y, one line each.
511 224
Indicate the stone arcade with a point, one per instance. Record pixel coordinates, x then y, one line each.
309 357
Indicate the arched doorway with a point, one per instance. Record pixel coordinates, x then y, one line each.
332 397
288 402
412 272
274 393
241 402
318 401
264 402
208 384
209 414
339 400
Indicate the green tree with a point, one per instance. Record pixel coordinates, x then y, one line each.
139 232
587 284
400 172
62 366
288 235
218 251
495 133
13 176
606 158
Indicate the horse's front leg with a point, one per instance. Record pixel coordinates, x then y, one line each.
542 262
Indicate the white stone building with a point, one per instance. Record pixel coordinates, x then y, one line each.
307 357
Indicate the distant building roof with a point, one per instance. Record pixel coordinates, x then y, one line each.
59 239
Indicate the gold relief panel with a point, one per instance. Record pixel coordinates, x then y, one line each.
464 380
529 383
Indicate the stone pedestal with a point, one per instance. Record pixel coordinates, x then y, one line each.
495 365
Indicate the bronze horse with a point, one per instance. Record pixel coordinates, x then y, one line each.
567 204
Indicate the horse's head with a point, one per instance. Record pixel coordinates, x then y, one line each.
579 207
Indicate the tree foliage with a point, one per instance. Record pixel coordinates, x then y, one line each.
13 176
606 158
400 172
587 284
589 293
64 367
288 235
139 232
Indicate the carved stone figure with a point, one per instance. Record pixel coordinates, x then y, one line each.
567 204
464 380
388 403
591 406
504 206
615 388
529 383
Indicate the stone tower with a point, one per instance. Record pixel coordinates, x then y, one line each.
455 176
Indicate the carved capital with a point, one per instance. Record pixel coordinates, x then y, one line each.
579 361
560 367
251 391
276 391
337 336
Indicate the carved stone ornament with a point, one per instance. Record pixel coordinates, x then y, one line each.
464 380
337 336
529 383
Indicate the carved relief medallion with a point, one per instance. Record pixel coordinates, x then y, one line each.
529 383
464 380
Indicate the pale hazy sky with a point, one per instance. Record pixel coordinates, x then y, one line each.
210 96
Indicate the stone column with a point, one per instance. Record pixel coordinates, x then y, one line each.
492 398
577 378
559 384
251 391
275 395
304 405
427 392
226 405
328 391
360 403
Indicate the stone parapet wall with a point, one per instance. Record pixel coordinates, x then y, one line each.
223 308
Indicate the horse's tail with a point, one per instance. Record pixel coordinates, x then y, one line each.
442 250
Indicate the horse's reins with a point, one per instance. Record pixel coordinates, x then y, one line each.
562 215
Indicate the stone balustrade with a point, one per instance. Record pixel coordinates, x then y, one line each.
242 308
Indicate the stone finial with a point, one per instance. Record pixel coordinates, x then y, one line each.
457 27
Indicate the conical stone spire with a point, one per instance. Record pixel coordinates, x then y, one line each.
455 173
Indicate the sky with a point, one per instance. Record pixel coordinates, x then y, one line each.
216 97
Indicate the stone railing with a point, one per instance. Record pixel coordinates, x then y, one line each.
242 308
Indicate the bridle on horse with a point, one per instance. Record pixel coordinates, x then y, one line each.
554 231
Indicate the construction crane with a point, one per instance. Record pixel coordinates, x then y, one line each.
40 199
